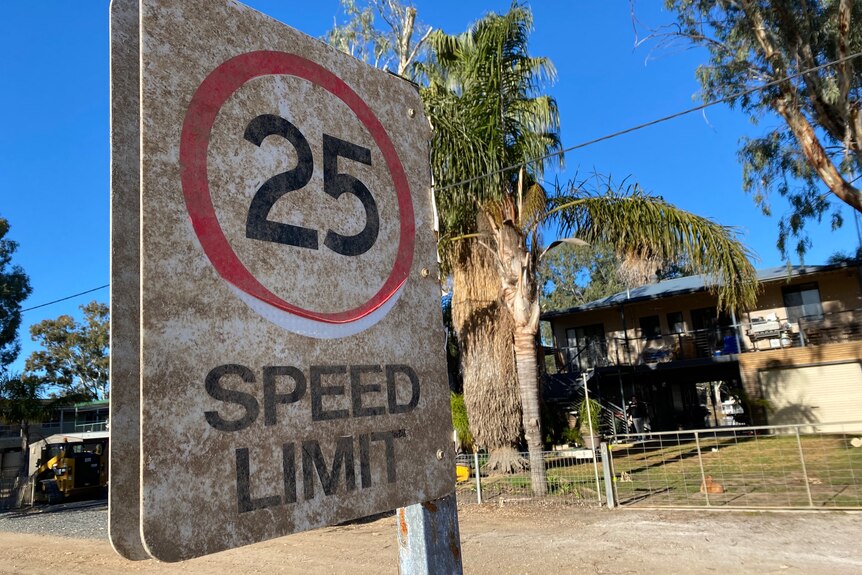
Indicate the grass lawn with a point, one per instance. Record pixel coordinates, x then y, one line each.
752 470
762 471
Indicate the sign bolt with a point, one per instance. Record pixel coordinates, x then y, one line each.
439 454
424 272
411 112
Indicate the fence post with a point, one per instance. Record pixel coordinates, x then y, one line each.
700 461
590 426
804 470
608 472
478 477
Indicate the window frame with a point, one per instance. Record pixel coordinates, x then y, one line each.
802 310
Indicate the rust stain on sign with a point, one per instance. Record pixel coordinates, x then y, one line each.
291 344
402 524
454 545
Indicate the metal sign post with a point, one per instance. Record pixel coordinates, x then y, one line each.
277 340
428 539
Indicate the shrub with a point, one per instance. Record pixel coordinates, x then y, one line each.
460 422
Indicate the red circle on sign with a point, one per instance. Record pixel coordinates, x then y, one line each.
206 103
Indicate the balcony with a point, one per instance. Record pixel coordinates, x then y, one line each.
760 334
837 327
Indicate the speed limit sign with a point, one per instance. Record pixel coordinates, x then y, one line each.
287 348
314 186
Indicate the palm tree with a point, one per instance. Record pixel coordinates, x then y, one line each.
643 230
484 99
481 99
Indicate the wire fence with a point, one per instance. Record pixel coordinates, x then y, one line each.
807 466
573 476
791 466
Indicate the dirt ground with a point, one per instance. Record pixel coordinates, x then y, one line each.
514 539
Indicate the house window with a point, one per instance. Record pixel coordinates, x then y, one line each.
571 338
802 301
650 327
675 323
53 422
586 346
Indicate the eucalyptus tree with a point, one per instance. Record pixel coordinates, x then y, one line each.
74 356
574 275
395 45
801 61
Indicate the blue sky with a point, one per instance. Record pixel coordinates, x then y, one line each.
54 117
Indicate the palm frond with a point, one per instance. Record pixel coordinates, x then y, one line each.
484 99
642 227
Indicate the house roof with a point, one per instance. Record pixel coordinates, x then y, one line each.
689 284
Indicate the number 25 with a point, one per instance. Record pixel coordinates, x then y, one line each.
335 184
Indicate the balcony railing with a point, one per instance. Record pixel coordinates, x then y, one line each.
770 332
91 426
836 327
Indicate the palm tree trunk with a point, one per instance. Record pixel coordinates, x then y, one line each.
484 329
528 385
519 291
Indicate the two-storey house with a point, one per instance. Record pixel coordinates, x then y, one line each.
795 358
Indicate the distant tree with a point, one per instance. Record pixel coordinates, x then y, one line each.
574 275
674 269
819 143
74 356
14 288
842 257
395 46
22 401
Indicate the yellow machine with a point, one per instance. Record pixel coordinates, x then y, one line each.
462 473
70 465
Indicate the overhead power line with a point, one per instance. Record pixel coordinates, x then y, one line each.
584 144
652 122
65 298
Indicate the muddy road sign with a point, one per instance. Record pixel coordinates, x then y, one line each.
291 346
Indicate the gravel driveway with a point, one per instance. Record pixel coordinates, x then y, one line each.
79 519
518 539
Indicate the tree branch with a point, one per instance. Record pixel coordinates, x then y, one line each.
830 117
798 123
817 157
418 45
